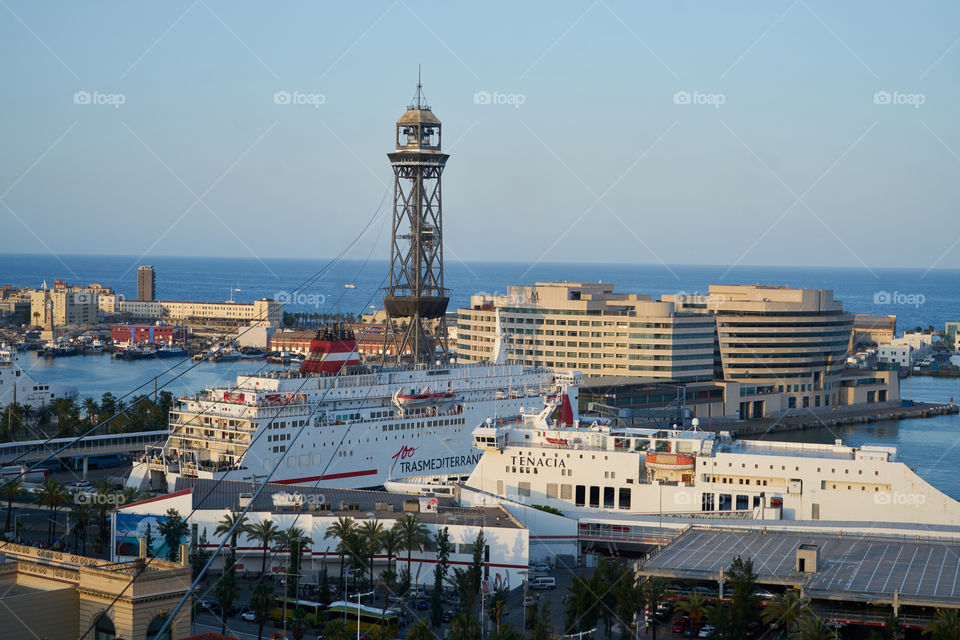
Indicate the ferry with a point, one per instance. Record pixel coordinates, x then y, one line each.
17 386
589 466
340 422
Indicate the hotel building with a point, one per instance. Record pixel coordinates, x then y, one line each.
586 326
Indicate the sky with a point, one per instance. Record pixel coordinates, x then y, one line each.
757 132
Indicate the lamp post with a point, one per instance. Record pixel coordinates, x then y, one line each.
360 595
523 604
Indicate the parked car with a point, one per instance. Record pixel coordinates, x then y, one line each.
763 594
680 624
447 616
706 631
544 582
248 616
541 567
709 592
529 600
422 605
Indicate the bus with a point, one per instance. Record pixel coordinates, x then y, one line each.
99 461
312 609
370 617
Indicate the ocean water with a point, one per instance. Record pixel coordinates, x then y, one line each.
918 298
929 446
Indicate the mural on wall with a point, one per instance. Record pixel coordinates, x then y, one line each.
130 527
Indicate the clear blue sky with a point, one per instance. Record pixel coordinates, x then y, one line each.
798 166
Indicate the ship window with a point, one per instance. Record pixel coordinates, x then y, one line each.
608 496
551 490
565 491
624 498
581 495
594 496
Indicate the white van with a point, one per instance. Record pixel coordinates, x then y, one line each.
544 582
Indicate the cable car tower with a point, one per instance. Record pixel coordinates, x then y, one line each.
416 300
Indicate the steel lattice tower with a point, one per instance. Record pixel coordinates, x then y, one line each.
416 299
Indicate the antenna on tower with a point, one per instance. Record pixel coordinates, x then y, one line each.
419 100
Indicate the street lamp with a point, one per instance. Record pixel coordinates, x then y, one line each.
360 595
523 605
580 634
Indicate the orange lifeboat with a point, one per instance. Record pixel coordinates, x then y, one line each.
670 461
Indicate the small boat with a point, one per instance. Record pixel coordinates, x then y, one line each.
559 441
349 286
171 351
251 353
226 354
410 399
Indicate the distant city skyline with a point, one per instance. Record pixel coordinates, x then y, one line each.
787 133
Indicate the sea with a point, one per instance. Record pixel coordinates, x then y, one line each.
917 297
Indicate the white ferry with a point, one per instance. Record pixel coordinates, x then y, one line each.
359 425
17 386
595 467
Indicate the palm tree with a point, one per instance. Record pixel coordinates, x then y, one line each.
92 409
695 607
371 531
261 602
813 628
81 514
264 532
341 530
231 523
413 535
464 627
420 631
945 626
294 540
391 543
10 491
496 612
786 609
655 592
52 495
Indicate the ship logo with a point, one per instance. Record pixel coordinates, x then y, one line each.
404 453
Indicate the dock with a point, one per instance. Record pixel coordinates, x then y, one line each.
802 419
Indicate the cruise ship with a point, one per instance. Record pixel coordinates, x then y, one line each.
339 422
17 386
592 466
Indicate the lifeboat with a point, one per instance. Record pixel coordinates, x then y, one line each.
670 461
411 399
559 441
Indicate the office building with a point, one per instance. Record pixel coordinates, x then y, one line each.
146 283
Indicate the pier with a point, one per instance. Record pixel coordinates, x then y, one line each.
803 419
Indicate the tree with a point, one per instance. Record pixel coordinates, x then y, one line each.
507 633
786 609
371 531
695 607
10 491
442 540
200 555
583 606
655 592
298 624
173 529
544 627
476 565
325 596
413 535
231 524
945 626
813 628
294 540
461 582
261 602
391 543
264 532
342 529
225 590
52 496
420 631
743 604
81 513
464 627
92 409
497 609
